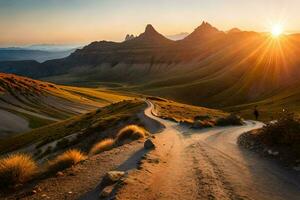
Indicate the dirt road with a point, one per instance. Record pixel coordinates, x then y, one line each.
208 164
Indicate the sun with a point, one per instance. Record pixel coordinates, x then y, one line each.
277 30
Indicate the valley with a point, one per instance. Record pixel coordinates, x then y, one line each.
232 70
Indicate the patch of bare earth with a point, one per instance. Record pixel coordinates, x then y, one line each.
179 170
192 164
82 181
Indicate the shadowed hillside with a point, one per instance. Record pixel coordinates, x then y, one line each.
26 103
82 130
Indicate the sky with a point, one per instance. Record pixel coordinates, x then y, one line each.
25 22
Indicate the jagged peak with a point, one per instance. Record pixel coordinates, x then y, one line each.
203 31
205 26
149 37
129 37
150 29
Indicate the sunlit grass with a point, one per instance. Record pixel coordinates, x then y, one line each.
16 168
131 132
66 160
103 145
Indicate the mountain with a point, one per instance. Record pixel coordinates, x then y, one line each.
203 32
150 38
209 67
129 37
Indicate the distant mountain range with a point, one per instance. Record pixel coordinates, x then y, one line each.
208 67
38 53
54 47
178 36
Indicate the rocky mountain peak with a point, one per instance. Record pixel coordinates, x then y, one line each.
206 27
129 37
149 29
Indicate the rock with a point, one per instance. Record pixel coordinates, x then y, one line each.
297 168
270 152
148 144
59 174
112 177
106 192
273 153
37 189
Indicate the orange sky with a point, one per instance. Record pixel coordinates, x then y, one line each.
75 21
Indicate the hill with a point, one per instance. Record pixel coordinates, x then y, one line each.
82 129
26 103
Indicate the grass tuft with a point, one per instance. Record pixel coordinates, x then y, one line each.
103 145
131 132
66 160
16 169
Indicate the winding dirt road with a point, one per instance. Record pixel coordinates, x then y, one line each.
207 164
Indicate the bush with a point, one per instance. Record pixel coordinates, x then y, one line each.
286 131
231 119
202 124
131 132
66 160
16 169
103 145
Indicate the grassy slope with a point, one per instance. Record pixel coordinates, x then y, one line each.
184 112
26 97
271 107
98 120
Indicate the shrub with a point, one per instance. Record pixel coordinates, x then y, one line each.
103 145
16 169
203 124
66 160
131 132
231 119
286 131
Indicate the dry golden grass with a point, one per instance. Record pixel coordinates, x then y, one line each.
131 132
66 160
183 112
103 145
15 169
